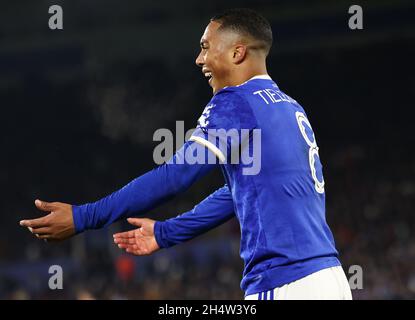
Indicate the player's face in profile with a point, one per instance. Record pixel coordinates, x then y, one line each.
214 56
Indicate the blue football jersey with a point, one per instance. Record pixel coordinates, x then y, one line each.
274 174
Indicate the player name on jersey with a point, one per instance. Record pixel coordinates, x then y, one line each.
273 96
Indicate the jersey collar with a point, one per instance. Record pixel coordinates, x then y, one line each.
261 76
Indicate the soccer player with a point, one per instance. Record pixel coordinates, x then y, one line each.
279 199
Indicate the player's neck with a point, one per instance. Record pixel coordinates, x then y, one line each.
247 73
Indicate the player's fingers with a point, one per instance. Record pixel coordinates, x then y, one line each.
138 251
138 222
134 249
45 206
124 245
40 231
127 234
124 240
35 223
46 237
129 247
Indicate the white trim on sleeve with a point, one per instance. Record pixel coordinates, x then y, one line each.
210 146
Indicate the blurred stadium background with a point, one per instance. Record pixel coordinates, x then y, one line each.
79 108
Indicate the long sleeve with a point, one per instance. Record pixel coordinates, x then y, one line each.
143 193
216 209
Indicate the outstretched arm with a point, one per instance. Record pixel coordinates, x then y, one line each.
140 195
143 193
215 210
153 235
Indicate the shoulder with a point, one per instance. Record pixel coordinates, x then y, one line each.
228 99
228 108
229 94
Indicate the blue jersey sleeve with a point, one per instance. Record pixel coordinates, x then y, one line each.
211 212
143 193
225 123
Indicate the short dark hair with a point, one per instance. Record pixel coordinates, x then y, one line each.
247 22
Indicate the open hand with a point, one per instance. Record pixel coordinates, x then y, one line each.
141 241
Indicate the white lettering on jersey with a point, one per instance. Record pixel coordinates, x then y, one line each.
273 96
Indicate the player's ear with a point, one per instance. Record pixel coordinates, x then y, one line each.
239 53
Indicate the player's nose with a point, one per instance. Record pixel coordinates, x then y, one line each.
199 60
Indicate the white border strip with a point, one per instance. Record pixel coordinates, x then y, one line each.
210 146
262 76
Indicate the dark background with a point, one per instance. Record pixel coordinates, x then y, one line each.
79 107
